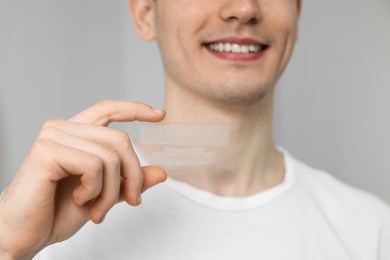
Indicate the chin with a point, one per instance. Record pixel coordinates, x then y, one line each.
238 96
241 99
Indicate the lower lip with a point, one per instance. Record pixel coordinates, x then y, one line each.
238 56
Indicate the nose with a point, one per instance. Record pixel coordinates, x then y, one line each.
242 11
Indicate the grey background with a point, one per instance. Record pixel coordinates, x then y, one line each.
332 111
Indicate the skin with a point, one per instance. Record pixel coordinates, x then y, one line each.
213 90
79 168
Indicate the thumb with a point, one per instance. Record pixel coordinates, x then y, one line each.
153 175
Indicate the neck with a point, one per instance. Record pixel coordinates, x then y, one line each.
258 164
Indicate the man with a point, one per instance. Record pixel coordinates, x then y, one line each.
222 60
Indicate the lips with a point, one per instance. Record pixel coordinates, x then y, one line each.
236 49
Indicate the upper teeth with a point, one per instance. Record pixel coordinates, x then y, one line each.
235 48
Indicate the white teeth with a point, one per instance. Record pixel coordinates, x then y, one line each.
244 49
228 47
234 48
221 47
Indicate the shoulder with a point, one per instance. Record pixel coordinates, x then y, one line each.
331 193
356 215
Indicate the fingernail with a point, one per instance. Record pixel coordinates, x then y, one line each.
139 200
158 111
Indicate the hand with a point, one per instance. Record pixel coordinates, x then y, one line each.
75 171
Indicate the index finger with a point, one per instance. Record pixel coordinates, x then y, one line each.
107 111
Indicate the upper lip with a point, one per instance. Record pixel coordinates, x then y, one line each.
236 40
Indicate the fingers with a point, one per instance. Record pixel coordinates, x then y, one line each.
99 170
108 192
63 161
107 111
115 140
114 168
153 175
121 173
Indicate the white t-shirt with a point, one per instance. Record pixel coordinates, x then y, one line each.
311 215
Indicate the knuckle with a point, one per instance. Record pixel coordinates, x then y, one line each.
42 151
104 102
104 105
123 140
113 159
42 145
96 164
53 123
48 133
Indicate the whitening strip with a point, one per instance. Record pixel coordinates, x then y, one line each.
184 146
167 134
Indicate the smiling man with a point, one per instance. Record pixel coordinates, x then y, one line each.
222 60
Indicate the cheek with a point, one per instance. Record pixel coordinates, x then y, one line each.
281 16
285 34
173 35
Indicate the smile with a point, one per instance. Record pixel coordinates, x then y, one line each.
235 48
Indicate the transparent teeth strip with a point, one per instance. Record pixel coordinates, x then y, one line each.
167 134
186 146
